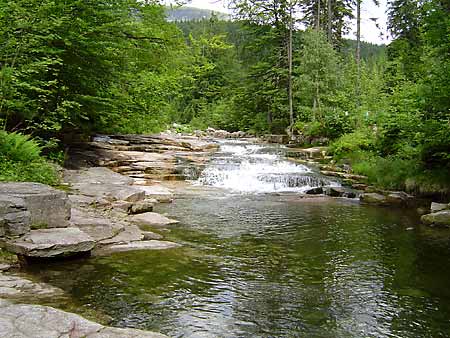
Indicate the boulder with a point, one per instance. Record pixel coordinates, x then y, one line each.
36 321
17 287
96 175
130 233
46 205
435 207
48 243
141 207
399 198
440 218
373 198
15 219
314 191
152 219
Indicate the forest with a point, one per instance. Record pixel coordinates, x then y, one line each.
75 68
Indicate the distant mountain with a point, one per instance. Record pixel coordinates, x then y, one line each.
192 13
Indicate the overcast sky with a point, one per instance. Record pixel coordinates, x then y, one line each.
369 30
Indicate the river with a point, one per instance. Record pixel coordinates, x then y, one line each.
259 261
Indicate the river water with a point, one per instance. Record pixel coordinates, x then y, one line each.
259 261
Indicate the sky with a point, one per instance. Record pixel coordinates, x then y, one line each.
369 31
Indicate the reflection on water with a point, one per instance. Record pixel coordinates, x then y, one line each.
261 266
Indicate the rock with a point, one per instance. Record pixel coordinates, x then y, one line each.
435 207
373 198
398 198
152 219
4 267
98 228
122 206
142 245
130 233
440 218
141 207
96 175
314 191
15 219
12 286
46 205
158 192
148 235
111 192
350 177
47 243
359 186
335 191
46 322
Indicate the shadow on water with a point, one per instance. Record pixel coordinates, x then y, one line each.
256 265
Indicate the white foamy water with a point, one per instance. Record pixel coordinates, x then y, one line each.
251 168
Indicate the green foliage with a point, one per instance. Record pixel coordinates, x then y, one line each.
20 160
360 140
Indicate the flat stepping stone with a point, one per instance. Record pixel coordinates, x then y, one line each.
142 245
36 321
99 228
152 219
48 243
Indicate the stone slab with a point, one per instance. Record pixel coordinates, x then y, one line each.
141 245
152 219
47 243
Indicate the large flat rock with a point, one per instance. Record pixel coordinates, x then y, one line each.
17 287
47 243
35 321
158 192
46 205
96 175
97 227
111 192
152 219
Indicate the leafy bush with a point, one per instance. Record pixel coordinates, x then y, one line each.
18 147
363 139
20 160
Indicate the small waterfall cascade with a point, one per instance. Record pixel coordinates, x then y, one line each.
245 167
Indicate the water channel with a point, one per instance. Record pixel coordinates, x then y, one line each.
258 261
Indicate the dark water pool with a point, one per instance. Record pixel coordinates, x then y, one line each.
264 266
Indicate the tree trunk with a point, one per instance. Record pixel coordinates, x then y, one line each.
358 51
291 104
318 15
330 21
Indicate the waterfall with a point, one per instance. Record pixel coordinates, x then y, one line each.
256 168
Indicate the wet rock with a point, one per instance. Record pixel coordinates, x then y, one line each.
141 245
435 207
17 287
149 235
47 322
343 175
398 198
152 219
47 243
46 206
440 218
373 198
314 191
15 219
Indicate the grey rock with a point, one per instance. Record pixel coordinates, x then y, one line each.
440 218
158 192
111 192
435 207
57 242
149 235
398 198
45 204
47 322
335 191
4 267
373 198
97 227
130 233
152 219
96 175
17 287
141 207
141 245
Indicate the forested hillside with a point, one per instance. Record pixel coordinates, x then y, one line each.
119 66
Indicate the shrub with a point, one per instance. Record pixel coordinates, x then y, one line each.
360 140
18 147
